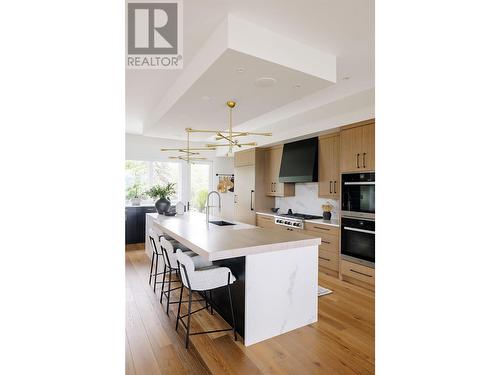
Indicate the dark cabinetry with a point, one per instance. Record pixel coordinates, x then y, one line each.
135 223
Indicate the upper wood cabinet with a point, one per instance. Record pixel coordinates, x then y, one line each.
328 166
357 147
274 188
244 158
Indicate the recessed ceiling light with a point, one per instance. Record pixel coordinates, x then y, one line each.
240 69
265 82
297 86
205 98
346 78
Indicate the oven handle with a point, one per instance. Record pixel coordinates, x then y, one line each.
360 183
360 230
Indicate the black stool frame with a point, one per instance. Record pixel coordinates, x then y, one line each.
155 256
171 269
187 326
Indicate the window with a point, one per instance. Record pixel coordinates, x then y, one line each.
200 185
141 175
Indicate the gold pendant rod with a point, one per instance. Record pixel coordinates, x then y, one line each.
239 144
229 139
218 138
185 150
227 132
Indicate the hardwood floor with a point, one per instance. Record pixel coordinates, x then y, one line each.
341 342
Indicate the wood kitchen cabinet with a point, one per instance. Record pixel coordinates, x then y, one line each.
249 185
328 251
266 221
358 274
329 166
357 148
274 188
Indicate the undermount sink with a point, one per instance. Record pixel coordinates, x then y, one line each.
221 222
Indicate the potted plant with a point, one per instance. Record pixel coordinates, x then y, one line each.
135 193
163 193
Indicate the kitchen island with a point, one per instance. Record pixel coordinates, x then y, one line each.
276 271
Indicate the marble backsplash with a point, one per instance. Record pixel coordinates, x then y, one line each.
306 201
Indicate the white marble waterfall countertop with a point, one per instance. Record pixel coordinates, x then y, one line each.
221 242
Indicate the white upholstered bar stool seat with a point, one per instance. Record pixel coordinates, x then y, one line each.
202 280
171 265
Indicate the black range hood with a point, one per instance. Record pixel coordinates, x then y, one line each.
299 162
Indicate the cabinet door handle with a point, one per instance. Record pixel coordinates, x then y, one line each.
357 160
330 187
327 242
274 187
364 159
334 187
321 228
251 199
324 259
361 273
235 200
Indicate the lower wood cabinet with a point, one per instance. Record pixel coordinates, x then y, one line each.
328 254
328 251
357 272
266 221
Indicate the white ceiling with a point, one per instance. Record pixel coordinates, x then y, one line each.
203 105
344 29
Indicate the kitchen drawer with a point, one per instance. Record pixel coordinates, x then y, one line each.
265 221
322 228
327 241
328 259
358 272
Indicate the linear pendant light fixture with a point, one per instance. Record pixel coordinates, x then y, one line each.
230 136
188 152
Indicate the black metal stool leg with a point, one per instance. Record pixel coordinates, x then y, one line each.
151 270
156 273
189 318
179 308
231 305
163 283
211 304
169 287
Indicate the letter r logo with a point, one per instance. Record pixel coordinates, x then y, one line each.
152 28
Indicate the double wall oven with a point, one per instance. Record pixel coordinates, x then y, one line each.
358 218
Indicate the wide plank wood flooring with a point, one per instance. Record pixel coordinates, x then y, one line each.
341 342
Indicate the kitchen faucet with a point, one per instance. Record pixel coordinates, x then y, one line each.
207 208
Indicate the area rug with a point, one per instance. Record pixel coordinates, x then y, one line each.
323 291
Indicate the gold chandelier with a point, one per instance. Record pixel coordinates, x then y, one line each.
188 152
230 136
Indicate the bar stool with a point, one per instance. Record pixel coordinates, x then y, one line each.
153 238
171 265
202 280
